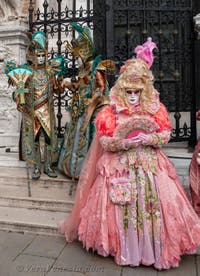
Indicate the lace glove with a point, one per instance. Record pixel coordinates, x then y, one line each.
116 144
154 139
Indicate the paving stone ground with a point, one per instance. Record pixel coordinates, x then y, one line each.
35 255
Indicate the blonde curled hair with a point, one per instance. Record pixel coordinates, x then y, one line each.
135 75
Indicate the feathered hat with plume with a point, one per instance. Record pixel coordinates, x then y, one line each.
83 46
145 51
38 42
136 74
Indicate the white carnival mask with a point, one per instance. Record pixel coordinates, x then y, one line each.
133 96
40 58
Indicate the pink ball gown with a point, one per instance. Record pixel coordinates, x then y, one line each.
129 202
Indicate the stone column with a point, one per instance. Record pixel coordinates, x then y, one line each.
13 41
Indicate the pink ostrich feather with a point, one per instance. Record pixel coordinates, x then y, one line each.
145 51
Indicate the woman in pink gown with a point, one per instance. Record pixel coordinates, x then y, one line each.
129 202
195 175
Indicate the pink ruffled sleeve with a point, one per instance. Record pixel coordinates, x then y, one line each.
105 122
162 136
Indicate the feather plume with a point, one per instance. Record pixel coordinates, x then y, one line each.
145 51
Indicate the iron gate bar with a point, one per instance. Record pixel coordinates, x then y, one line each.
57 19
177 115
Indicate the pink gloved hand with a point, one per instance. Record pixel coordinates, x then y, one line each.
132 142
140 139
146 139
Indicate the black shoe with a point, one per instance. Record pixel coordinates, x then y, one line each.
50 172
36 173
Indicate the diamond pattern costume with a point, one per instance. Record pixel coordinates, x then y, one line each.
34 97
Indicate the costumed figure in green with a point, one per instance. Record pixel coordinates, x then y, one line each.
90 94
36 82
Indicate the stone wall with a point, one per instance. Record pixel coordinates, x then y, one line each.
13 41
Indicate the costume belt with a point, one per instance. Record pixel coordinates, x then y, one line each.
22 109
40 103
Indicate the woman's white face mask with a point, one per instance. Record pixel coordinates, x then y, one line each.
133 96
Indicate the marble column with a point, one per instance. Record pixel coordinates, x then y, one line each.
13 41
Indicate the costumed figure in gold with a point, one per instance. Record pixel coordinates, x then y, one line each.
36 83
90 94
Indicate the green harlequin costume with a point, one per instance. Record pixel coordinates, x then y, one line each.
36 84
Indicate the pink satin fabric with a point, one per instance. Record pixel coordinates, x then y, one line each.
69 226
195 180
96 221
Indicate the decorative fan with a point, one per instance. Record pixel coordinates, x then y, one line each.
19 76
137 124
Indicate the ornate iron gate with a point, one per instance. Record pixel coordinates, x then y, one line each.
170 24
118 26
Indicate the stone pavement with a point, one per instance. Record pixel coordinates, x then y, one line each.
35 255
